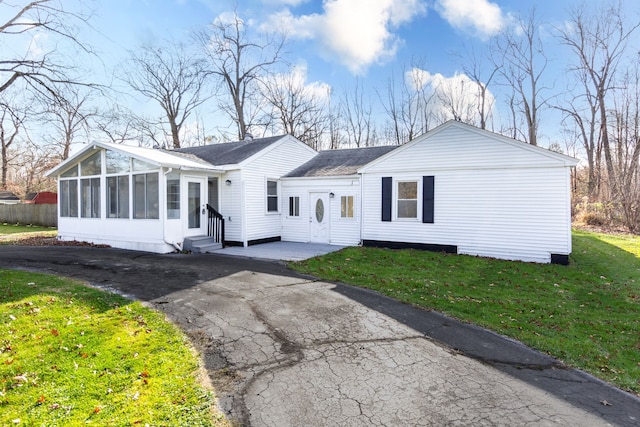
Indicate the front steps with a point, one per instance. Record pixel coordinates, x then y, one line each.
200 244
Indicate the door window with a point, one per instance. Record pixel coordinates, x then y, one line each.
319 210
194 205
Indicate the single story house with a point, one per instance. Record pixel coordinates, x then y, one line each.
456 188
8 198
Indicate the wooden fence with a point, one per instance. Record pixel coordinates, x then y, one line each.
45 215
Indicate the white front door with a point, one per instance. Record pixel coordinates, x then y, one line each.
319 217
196 207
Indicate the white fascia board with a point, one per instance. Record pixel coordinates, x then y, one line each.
160 159
318 178
566 160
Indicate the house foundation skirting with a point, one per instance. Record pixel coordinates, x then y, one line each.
450 249
560 259
253 242
265 240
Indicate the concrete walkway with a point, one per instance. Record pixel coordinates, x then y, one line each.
287 350
284 251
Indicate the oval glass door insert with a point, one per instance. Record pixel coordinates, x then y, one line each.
319 210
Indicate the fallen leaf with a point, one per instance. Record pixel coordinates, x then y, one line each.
41 399
96 409
55 332
605 403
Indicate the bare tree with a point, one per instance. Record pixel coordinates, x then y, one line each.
580 111
29 166
298 108
117 123
44 70
404 106
239 60
625 138
11 123
171 77
598 40
358 120
476 69
457 98
67 110
334 126
519 55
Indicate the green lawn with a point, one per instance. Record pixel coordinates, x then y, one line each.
7 229
72 355
586 314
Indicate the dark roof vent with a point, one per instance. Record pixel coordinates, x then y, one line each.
248 137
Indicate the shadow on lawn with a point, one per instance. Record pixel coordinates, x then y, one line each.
137 275
509 356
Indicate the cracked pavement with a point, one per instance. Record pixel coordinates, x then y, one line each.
286 350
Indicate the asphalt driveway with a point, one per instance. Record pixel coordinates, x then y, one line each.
286 350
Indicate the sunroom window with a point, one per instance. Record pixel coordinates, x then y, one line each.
92 165
173 196
69 197
90 197
118 196
145 196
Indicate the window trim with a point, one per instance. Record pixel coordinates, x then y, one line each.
346 198
396 199
119 200
146 198
268 196
294 206
93 203
67 201
173 177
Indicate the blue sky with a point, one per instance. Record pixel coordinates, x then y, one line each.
337 41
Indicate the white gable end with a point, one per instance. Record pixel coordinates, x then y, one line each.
458 146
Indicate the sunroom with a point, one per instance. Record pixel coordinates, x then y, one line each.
136 198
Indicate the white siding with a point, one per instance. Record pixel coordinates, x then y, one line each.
231 205
343 231
274 162
493 196
512 214
135 234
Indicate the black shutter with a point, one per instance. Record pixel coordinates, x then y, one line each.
387 189
427 199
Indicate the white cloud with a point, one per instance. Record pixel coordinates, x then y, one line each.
452 97
481 17
296 81
357 33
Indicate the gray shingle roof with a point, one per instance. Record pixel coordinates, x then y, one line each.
8 195
340 162
229 153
